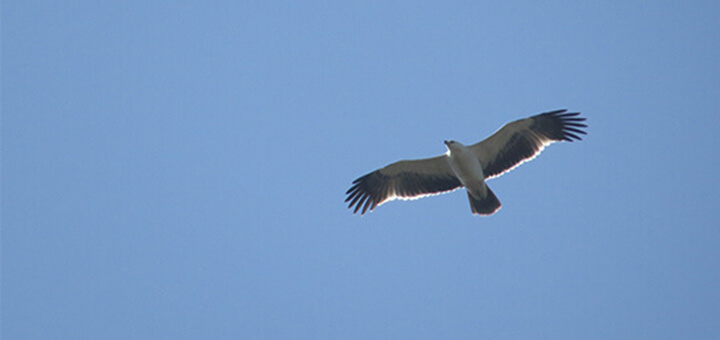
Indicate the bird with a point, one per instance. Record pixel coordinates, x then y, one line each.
467 166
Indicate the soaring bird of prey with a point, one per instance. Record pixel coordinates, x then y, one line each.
466 166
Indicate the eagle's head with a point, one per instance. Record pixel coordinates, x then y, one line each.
452 145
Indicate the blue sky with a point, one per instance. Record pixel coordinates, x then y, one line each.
177 169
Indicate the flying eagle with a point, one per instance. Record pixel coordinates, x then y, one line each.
466 166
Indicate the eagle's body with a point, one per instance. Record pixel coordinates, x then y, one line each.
469 172
466 166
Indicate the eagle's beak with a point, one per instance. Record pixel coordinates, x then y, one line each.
446 142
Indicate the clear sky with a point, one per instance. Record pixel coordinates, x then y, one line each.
177 170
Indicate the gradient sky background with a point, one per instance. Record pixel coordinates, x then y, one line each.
177 170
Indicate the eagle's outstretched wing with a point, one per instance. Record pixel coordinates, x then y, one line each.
523 139
404 180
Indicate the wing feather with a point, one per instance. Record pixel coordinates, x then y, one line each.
523 139
408 179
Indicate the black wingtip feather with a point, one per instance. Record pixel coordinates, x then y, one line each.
569 114
570 137
571 129
555 112
570 125
576 125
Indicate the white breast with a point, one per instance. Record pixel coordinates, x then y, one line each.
466 166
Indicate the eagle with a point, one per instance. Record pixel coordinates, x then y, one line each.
466 166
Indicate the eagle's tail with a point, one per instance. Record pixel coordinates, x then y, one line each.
486 205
